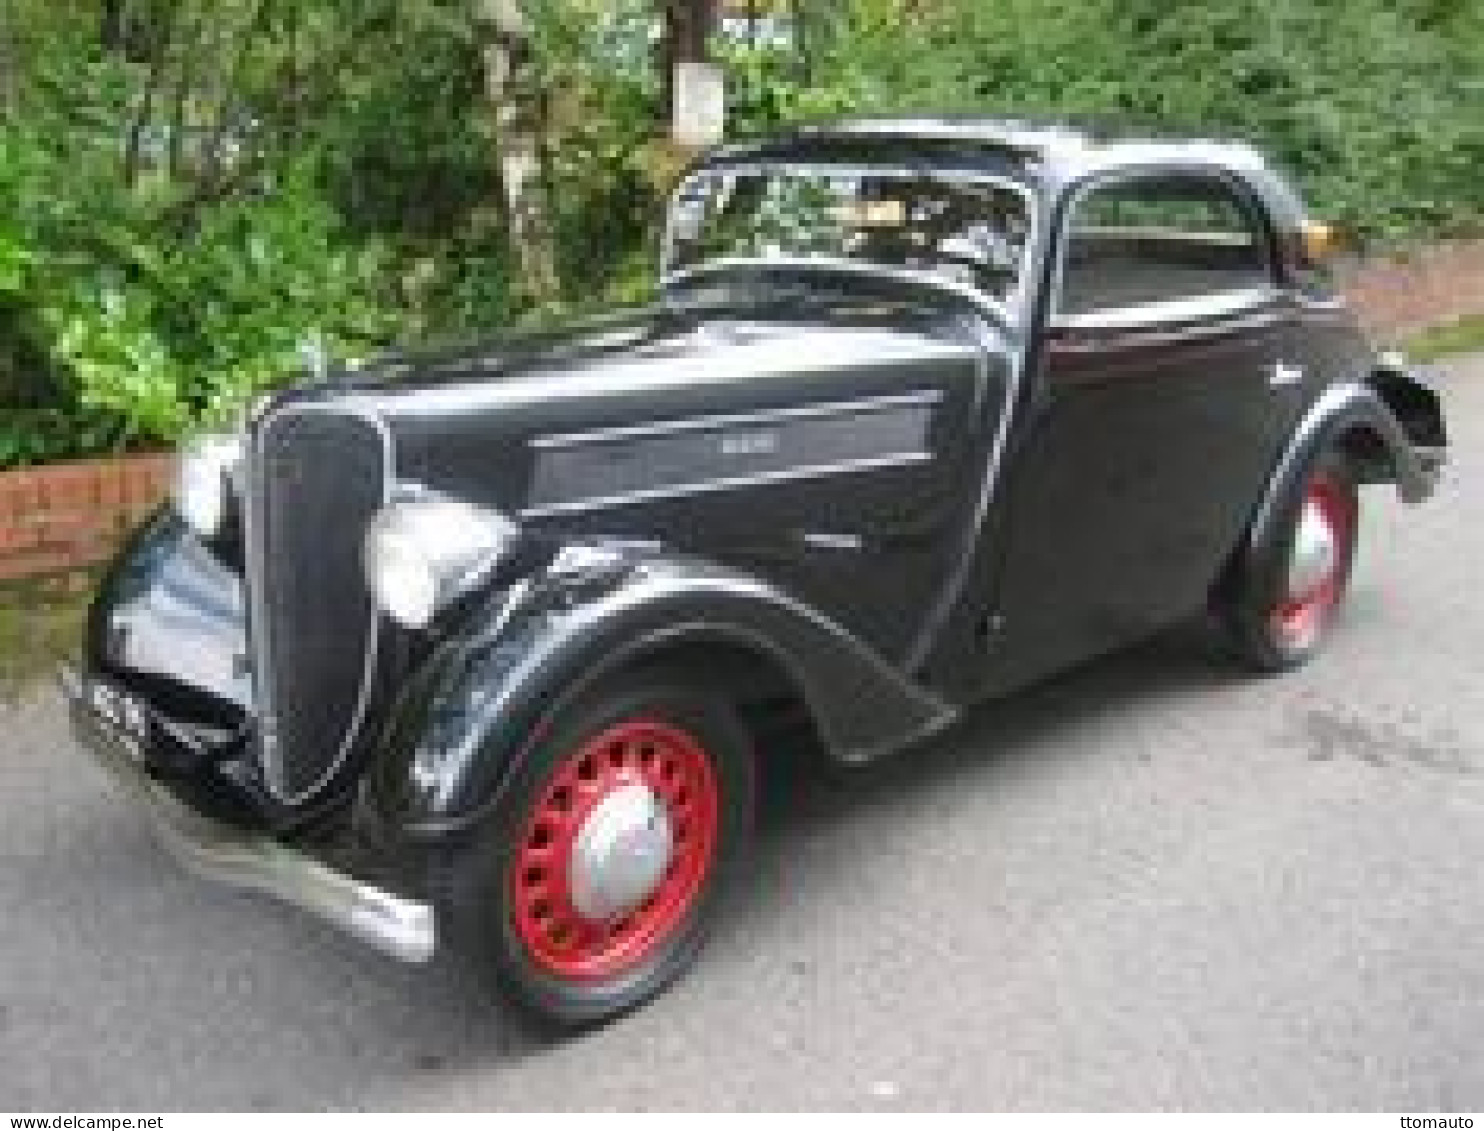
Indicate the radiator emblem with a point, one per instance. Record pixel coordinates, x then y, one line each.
753 442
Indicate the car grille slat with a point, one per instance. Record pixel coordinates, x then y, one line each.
317 477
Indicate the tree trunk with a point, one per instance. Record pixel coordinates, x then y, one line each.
513 104
111 25
163 38
9 57
212 172
689 25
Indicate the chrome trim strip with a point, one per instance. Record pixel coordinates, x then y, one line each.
740 419
953 587
1332 400
258 611
1001 313
402 928
514 598
1221 304
681 490
1322 304
831 540
1168 235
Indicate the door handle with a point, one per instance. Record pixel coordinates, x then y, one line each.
1281 375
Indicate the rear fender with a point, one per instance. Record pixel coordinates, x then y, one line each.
485 698
1356 417
1413 400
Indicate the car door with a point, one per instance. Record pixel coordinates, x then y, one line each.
1160 402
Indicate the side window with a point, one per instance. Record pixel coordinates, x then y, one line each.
1159 239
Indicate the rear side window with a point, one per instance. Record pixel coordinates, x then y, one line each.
1160 239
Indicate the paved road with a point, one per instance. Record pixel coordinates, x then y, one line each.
1153 883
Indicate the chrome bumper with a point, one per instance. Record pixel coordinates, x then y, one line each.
396 926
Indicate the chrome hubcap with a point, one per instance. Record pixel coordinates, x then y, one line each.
621 853
1315 553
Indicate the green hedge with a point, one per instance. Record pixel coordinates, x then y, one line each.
187 203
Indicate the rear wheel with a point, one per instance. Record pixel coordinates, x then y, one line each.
1279 601
599 872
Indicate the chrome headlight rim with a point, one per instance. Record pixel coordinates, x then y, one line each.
423 550
202 481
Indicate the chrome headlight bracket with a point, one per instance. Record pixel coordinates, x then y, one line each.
424 550
202 485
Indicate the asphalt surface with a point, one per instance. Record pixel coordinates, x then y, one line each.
1153 883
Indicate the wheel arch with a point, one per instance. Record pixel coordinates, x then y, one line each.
474 714
753 675
1377 451
1354 417
1412 399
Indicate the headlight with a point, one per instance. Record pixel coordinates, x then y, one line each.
423 551
200 490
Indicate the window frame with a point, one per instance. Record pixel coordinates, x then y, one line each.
1010 311
1174 311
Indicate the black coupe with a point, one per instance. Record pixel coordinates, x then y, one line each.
470 647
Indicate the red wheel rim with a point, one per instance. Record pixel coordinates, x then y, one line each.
675 767
1300 618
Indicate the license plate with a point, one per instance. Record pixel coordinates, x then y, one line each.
125 715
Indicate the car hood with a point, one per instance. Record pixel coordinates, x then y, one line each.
726 309
466 418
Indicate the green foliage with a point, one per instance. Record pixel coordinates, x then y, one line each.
155 274
188 196
41 623
1463 336
1378 108
767 89
172 338
138 334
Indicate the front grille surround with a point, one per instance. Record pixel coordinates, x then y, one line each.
316 474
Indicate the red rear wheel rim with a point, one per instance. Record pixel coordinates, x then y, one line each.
674 765
1300 618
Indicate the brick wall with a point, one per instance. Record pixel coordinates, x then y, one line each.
59 518
1396 296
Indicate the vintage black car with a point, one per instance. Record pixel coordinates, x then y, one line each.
473 647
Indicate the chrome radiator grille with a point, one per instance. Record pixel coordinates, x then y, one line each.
316 476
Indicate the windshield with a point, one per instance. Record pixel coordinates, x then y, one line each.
960 228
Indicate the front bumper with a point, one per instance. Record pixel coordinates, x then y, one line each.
400 927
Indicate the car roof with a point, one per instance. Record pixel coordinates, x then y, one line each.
1050 152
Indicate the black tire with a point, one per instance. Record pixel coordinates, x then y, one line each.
1266 627
489 916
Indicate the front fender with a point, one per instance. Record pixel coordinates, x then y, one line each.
486 695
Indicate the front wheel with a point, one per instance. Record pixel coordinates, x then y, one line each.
1278 601
596 877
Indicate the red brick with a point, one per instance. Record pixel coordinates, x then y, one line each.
68 526
71 488
1398 295
18 493
16 538
43 563
62 517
